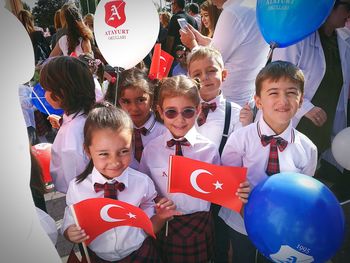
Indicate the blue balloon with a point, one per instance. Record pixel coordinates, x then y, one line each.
285 22
292 217
41 94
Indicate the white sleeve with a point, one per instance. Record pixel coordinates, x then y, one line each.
233 152
228 24
148 203
65 167
311 165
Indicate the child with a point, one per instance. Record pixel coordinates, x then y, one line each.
135 96
107 140
279 94
69 85
189 237
217 120
206 64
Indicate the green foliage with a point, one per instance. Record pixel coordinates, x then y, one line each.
44 11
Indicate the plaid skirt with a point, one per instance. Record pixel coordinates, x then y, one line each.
190 239
147 253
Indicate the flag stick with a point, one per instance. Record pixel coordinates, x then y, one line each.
166 228
77 223
42 104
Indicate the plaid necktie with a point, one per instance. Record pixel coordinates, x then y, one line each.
202 118
178 150
110 190
273 166
138 142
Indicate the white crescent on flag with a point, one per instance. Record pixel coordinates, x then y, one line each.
104 214
193 180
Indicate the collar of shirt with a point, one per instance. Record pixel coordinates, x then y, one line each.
190 136
150 123
68 118
287 134
219 99
96 177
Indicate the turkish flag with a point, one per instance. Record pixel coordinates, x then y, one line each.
97 215
213 183
161 63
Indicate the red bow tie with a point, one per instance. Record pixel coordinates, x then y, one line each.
202 118
178 150
110 189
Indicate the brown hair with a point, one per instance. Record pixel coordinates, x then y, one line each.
213 13
57 19
131 78
75 27
70 80
165 18
27 20
277 70
178 86
202 52
104 115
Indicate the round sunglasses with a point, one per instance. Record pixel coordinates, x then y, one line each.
187 113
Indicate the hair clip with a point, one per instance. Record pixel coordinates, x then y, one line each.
113 80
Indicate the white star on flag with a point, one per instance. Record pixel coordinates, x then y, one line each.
131 215
218 185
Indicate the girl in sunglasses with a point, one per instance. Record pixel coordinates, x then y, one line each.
189 236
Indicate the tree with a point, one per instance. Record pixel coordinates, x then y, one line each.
44 11
26 6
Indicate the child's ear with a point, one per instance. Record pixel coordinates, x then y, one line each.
198 109
86 149
224 74
301 100
159 109
257 100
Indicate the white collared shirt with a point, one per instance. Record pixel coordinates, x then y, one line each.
243 49
68 158
119 242
155 163
244 148
213 128
154 129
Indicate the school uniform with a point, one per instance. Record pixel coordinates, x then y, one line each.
244 148
68 158
214 125
189 236
153 129
118 243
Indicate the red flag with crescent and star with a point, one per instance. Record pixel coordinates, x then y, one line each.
213 183
115 13
97 215
161 63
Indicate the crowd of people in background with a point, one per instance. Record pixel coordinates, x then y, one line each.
217 105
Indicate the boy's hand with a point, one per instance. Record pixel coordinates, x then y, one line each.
166 209
246 115
243 191
75 234
317 115
54 120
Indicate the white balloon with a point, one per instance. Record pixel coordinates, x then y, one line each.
126 31
341 148
23 238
